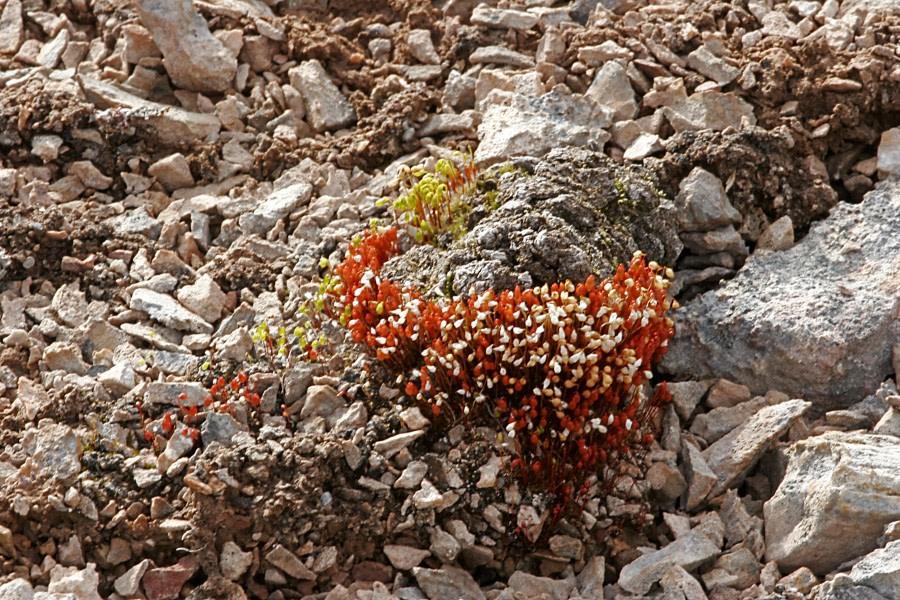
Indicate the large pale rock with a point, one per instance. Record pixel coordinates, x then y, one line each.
326 106
687 552
731 457
880 570
839 491
520 125
192 56
171 124
828 305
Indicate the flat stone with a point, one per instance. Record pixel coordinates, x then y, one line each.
170 124
326 107
221 428
447 123
500 55
165 583
503 18
233 562
188 393
322 401
777 23
275 207
841 587
448 583
488 473
428 496
687 552
443 546
194 58
713 425
706 63
612 89
412 475
53 50
724 239
65 356
783 320
643 146
837 494
46 147
682 584
54 449
389 447
405 558
89 175
709 110
595 56
590 579
732 457
531 126
17 589
166 310
686 395
282 558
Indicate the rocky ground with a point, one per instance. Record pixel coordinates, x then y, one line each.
171 177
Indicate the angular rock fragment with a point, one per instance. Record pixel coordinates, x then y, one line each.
687 552
731 457
326 107
784 321
448 583
838 492
522 125
194 58
166 310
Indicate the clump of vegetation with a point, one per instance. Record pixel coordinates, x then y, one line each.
559 368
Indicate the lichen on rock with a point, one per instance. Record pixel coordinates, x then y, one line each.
565 216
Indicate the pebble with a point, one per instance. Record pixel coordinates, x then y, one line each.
404 558
391 446
283 559
427 496
166 310
172 171
448 583
503 18
326 107
422 47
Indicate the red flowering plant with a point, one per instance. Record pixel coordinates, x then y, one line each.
558 367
